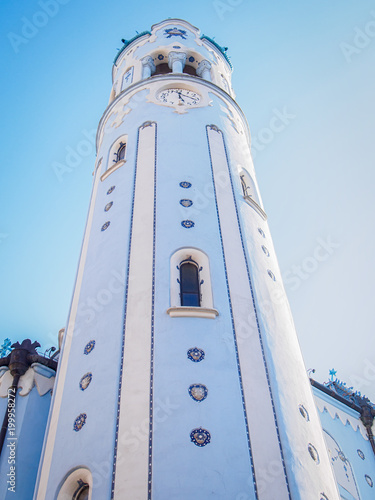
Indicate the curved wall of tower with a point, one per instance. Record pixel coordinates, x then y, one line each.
157 397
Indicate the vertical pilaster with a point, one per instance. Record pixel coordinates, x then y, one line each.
132 452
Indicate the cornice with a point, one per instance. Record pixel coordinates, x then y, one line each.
172 78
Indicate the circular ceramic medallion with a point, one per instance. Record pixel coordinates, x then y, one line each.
265 250
79 422
89 347
186 203
260 231
195 354
191 59
111 189
313 453
271 275
369 480
185 184
361 454
187 224
200 437
198 392
108 206
85 381
160 57
105 226
304 412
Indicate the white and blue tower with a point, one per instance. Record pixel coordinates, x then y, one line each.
181 375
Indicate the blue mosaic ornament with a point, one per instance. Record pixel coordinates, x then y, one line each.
160 57
175 32
361 454
198 392
89 347
196 355
304 412
265 250
200 437
79 422
186 203
111 189
105 226
369 480
191 59
271 275
185 184
260 231
108 206
187 224
313 453
176 47
85 381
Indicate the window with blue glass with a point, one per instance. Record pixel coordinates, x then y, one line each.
189 284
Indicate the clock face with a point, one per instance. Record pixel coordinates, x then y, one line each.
180 97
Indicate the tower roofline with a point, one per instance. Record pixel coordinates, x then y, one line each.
154 27
177 20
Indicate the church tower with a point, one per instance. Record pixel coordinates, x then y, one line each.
181 375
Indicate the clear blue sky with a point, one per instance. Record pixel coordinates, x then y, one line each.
312 60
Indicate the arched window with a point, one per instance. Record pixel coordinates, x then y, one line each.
82 491
250 192
116 156
190 70
120 153
189 284
162 69
191 290
77 485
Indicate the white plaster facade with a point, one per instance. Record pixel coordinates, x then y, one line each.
186 139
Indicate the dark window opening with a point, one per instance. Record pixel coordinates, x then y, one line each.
162 69
189 284
120 154
245 187
82 492
190 70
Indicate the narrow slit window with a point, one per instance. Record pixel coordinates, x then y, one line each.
189 284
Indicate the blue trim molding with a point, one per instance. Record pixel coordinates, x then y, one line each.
256 316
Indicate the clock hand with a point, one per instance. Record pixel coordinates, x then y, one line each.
179 95
189 97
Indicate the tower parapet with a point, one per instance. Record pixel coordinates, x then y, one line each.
172 46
